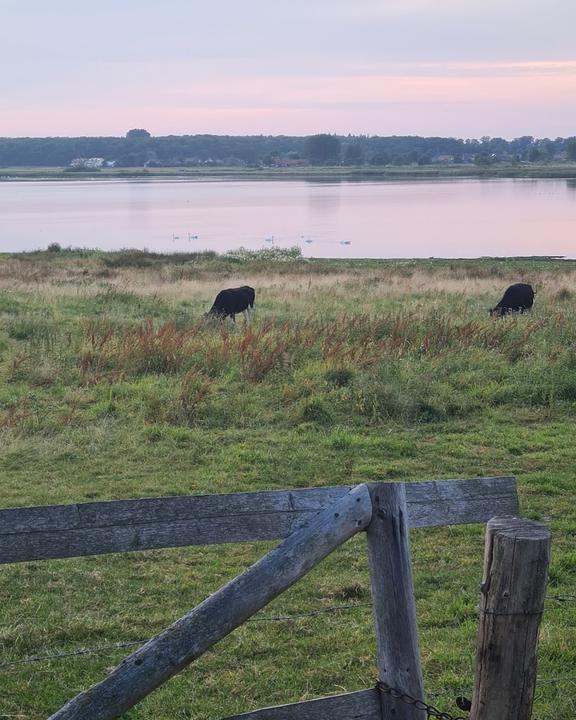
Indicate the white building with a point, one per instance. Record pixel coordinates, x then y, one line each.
90 163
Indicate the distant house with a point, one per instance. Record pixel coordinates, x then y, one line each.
442 159
88 163
294 162
284 161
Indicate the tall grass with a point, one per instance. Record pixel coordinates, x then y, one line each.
113 385
414 363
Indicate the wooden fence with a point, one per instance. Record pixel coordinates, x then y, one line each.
312 523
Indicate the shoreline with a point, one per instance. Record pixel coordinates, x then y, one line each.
261 260
534 171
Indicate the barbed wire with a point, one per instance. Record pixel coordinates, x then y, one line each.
44 657
99 649
72 653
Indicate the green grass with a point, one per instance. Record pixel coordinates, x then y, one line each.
113 386
543 169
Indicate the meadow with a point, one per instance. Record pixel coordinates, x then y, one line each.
115 386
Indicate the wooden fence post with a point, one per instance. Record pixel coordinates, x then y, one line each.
393 600
513 587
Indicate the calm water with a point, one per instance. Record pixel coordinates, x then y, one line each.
463 218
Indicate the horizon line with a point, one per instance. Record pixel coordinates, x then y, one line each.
285 135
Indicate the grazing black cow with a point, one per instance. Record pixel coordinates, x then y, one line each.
233 300
517 298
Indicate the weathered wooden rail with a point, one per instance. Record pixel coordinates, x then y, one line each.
360 705
312 523
60 531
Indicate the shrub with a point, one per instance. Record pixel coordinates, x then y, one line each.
272 254
316 410
394 401
340 377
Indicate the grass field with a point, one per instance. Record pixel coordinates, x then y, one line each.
113 386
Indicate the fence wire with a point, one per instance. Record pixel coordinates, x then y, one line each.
72 653
106 647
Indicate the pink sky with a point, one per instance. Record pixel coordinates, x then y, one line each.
411 67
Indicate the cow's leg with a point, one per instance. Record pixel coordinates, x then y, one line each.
246 314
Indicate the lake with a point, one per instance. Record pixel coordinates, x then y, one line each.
439 218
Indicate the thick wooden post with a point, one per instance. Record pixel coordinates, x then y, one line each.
514 583
171 651
393 600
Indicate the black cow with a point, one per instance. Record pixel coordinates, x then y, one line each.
233 300
517 298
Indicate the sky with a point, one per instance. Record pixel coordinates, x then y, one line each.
462 68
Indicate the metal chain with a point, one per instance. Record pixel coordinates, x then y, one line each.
431 711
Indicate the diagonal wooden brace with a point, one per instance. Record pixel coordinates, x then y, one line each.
188 638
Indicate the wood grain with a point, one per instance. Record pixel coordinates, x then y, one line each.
60 531
393 600
361 705
169 652
514 584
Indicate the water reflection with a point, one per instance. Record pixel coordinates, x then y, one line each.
449 218
324 199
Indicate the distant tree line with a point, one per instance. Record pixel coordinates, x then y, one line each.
139 149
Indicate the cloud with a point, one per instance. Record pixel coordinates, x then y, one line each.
183 66
466 100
